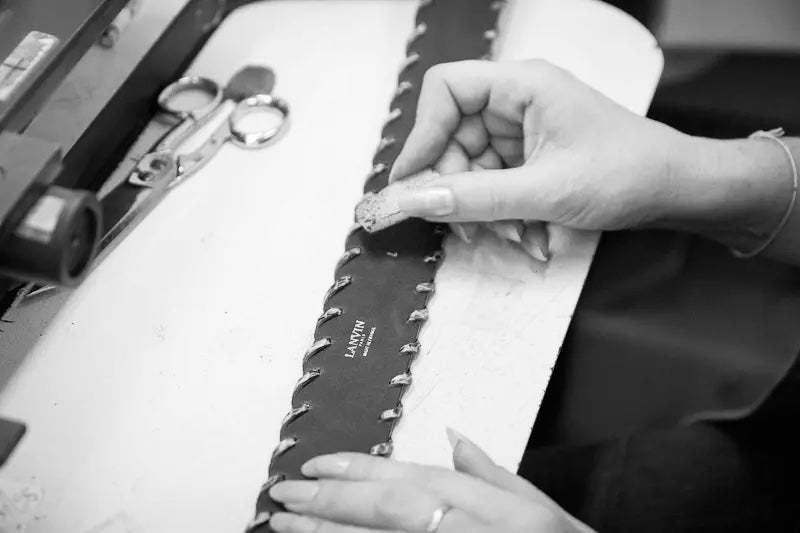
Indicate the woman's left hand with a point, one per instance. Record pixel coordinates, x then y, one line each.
358 493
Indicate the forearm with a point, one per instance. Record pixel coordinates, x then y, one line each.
735 192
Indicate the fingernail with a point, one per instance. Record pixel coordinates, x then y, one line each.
538 253
515 230
470 230
292 523
456 439
325 465
294 491
536 249
536 242
464 450
508 230
459 231
465 231
435 202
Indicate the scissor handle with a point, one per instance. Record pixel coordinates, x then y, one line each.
188 117
167 96
255 104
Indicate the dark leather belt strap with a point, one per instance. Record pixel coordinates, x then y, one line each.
356 371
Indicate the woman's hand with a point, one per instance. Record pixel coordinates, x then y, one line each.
359 493
527 141
571 155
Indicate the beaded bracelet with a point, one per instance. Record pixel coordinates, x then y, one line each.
775 135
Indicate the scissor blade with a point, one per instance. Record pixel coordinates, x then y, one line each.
119 201
140 203
191 162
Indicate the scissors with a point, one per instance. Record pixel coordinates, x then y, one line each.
163 166
185 116
164 159
164 163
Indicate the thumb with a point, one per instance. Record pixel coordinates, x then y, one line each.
479 196
469 459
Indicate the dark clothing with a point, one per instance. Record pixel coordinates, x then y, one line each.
736 476
669 326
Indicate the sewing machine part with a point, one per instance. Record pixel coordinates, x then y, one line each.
163 167
378 211
71 102
111 35
47 233
29 54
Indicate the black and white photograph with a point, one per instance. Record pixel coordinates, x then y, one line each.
399 266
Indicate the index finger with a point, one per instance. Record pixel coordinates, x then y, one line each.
449 92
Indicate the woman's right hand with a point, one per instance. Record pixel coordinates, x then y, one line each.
529 141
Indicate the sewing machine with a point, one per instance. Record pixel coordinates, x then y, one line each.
57 114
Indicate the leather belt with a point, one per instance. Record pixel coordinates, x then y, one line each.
355 372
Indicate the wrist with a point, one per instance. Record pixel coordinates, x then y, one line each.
733 191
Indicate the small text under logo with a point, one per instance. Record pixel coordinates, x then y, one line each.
360 340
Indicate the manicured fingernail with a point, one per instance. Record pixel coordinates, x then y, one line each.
539 254
458 440
454 437
471 230
495 228
536 249
515 231
292 523
326 465
459 231
464 449
433 202
466 231
294 491
508 230
537 242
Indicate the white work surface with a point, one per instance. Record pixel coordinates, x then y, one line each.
154 393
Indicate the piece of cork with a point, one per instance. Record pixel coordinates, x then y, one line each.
378 211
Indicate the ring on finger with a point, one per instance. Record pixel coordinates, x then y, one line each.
436 519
